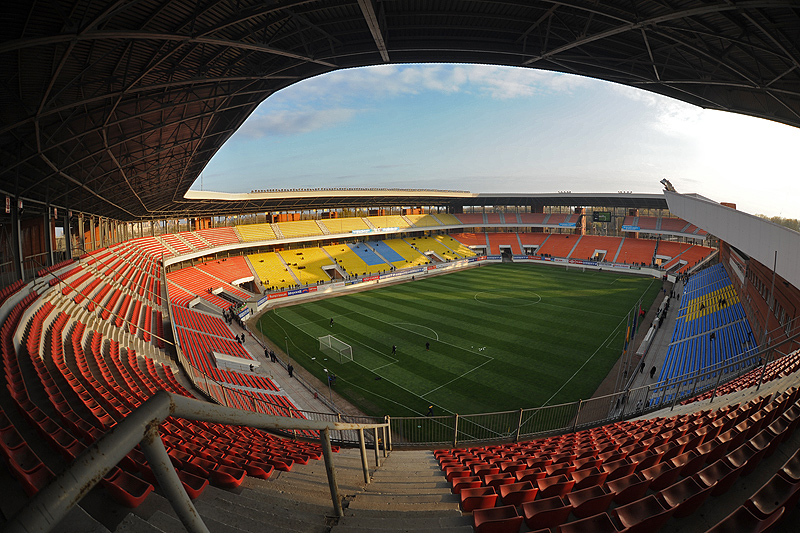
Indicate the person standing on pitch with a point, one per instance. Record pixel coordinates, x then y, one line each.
394 349
331 321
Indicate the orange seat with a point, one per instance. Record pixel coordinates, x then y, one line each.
518 493
546 512
477 498
643 515
743 521
599 523
629 488
497 520
554 486
685 496
777 493
588 502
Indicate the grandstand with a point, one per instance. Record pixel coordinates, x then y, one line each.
256 232
399 253
426 245
272 271
307 264
300 228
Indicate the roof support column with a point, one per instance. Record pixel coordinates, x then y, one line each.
92 232
48 235
16 238
67 234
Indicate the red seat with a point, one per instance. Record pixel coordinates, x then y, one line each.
497 520
530 474
629 488
477 498
518 493
125 488
588 478
646 459
685 496
745 456
495 480
791 468
588 502
689 462
661 475
743 521
470 482
777 493
643 515
193 485
599 523
546 513
618 469
554 486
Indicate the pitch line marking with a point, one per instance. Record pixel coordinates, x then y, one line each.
459 377
585 362
400 324
364 367
525 303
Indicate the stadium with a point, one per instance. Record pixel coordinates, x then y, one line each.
381 359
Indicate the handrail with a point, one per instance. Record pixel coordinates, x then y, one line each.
51 504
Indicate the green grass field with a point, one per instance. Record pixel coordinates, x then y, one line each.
502 337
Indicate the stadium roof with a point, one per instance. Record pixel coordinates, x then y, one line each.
309 199
114 108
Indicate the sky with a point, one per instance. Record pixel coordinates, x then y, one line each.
497 129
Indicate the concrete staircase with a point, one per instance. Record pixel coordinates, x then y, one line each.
407 493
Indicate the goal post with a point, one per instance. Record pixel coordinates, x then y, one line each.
333 347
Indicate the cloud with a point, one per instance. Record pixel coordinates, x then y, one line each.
284 122
390 81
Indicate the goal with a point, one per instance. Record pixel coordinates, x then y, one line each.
333 347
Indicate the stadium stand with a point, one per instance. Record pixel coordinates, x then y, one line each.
554 219
711 329
629 475
429 244
299 228
349 261
228 269
672 224
501 241
388 221
454 245
307 263
256 232
448 220
272 271
590 246
344 225
636 251
471 218
423 221
532 218
533 239
399 253
558 245
471 239
493 218
219 236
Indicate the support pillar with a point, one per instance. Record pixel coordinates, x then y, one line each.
91 231
16 238
48 236
67 234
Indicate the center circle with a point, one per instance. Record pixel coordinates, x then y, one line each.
505 297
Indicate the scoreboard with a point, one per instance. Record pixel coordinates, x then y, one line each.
601 216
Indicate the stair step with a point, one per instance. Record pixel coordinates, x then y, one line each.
298 512
447 519
170 523
234 517
134 524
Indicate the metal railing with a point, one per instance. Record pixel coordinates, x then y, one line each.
51 504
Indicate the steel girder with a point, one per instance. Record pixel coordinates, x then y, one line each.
114 108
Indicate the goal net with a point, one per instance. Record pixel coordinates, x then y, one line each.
333 347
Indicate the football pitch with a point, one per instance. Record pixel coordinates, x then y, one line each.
501 337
